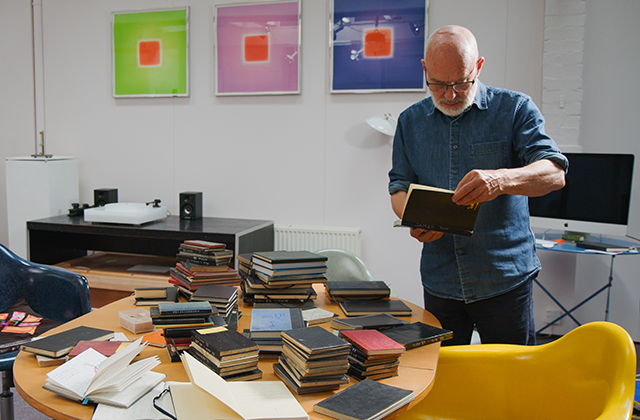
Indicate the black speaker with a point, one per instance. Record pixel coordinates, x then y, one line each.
104 196
190 205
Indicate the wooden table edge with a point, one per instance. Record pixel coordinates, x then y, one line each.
408 362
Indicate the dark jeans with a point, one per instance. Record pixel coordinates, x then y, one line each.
506 318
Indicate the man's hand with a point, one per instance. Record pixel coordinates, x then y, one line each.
425 235
397 203
534 180
478 186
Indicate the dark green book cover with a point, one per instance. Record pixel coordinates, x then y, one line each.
432 209
183 308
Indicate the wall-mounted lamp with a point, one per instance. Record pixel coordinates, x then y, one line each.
385 125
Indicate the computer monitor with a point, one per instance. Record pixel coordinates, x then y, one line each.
595 199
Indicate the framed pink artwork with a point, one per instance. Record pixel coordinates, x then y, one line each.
257 48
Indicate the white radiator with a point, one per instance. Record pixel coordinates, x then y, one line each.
315 238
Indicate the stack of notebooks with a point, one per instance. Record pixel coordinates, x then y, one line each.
266 326
150 296
224 298
357 298
283 276
373 354
355 290
202 262
184 315
227 352
177 340
245 267
312 360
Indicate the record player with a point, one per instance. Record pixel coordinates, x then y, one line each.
126 213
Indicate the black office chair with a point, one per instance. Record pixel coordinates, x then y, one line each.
52 292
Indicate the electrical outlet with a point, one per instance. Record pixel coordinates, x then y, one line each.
553 314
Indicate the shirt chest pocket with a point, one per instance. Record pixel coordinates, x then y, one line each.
491 155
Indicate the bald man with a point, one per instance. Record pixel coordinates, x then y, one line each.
489 145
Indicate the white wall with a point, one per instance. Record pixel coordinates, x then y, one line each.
17 124
307 159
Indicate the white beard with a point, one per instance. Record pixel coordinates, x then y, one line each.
462 104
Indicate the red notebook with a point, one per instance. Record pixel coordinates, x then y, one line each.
106 348
372 342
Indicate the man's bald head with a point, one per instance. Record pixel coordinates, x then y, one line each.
455 45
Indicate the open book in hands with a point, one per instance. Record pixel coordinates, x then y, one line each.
431 208
110 380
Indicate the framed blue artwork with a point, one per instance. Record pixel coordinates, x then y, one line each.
377 45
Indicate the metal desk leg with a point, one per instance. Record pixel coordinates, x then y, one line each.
606 287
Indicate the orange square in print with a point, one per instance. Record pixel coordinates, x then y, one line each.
149 53
256 48
378 42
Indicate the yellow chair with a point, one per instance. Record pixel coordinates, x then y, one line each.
589 373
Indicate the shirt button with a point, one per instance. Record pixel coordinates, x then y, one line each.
460 251
455 147
455 171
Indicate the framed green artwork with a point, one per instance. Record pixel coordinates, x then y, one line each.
151 53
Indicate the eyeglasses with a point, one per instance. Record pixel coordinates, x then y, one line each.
461 87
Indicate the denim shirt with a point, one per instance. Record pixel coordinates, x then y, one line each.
502 129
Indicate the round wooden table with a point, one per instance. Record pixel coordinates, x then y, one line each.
416 371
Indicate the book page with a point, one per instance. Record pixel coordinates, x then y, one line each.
76 374
191 402
428 188
141 409
115 364
211 382
267 400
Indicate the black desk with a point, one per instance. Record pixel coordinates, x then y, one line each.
62 238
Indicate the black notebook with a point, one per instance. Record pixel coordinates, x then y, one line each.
355 288
417 334
62 343
367 307
432 209
378 321
366 400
